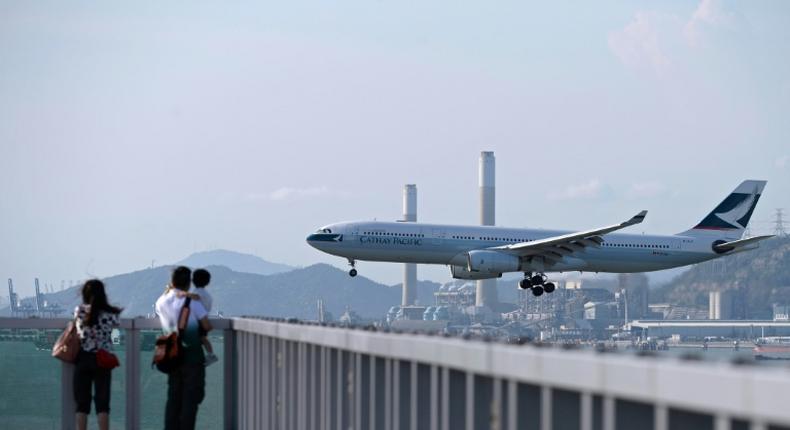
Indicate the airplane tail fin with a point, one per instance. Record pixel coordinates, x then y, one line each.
732 215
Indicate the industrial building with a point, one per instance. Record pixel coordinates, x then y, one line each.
699 329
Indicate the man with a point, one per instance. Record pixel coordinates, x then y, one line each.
186 384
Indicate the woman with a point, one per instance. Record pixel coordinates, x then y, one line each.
95 321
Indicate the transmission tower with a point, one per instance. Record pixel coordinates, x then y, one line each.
779 223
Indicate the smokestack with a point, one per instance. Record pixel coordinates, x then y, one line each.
38 297
486 294
12 296
409 269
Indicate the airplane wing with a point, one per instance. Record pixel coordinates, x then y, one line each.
735 244
557 247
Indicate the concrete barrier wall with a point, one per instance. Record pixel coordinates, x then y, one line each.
299 376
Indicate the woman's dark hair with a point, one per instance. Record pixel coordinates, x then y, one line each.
182 276
93 294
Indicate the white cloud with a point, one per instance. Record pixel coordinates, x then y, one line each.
653 39
782 161
638 46
648 189
709 14
288 193
587 190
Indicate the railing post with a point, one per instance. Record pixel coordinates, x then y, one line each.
388 394
586 411
661 417
545 408
608 413
413 395
470 400
132 377
445 397
721 422
229 379
67 405
512 405
435 389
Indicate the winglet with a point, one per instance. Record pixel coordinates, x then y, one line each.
636 219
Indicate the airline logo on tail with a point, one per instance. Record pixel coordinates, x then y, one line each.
733 213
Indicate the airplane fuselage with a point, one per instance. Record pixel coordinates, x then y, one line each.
422 243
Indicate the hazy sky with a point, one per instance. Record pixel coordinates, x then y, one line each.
132 132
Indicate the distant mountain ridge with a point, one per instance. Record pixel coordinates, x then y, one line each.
288 294
235 261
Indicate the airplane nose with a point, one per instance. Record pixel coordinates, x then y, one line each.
316 240
311 240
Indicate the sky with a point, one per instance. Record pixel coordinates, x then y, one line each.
134 134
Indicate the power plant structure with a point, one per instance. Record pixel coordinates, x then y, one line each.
38 305
19 307
720 305
486 294
409 269
12 298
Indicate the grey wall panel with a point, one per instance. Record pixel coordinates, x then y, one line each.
633 415
457 400
566 410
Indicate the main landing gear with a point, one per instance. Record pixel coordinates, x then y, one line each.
353 271
538 283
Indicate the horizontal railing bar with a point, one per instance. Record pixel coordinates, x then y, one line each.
126 323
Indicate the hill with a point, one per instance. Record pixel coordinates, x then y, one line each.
289 294
761 277
235 261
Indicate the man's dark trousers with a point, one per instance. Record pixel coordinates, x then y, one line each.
186 387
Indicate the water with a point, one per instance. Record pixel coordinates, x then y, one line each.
30 390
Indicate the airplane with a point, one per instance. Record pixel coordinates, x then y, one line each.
485 252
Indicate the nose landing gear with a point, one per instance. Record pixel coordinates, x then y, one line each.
537 283
353 271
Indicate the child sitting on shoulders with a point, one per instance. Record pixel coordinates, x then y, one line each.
201 279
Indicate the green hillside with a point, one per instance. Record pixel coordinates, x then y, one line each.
761 277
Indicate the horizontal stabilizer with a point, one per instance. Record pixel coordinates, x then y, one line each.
729 246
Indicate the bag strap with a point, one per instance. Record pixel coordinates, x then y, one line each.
183 316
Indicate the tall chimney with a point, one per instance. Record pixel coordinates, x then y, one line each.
486 294
38 297
409 269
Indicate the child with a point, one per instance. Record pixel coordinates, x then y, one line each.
201 278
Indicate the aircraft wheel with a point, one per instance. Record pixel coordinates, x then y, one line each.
537 280
549 287
352 272
524 284
537 291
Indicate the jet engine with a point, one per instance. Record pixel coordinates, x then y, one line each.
492 262
461 272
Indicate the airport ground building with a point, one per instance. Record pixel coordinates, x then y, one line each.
734 329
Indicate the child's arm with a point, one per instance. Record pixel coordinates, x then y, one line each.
192 296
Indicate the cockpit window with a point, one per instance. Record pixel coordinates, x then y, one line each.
324 230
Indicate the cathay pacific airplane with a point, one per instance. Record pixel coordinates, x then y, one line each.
479 252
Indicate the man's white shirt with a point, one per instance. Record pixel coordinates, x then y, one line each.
168 307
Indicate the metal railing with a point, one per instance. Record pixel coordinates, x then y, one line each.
131 366
299 376
285 375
